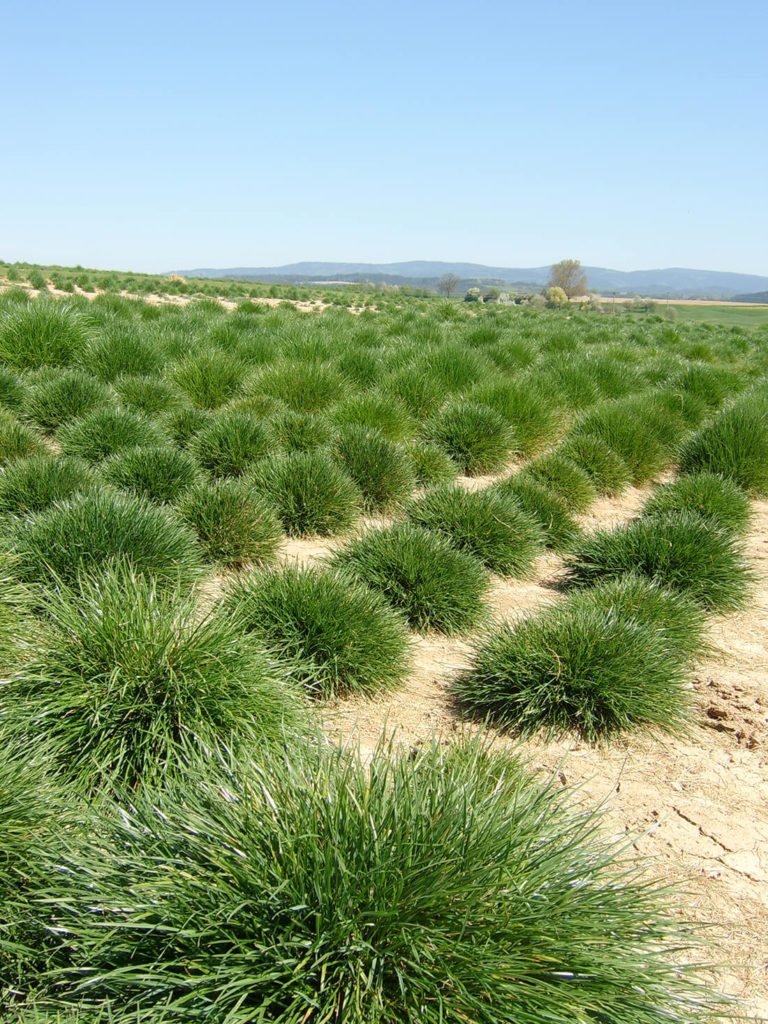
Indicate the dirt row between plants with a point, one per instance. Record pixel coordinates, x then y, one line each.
697 802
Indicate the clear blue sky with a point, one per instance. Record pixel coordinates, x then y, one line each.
167 135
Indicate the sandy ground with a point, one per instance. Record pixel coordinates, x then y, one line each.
697 803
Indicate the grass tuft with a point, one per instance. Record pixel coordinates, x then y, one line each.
62 396
234 525
41 333
548 509
230 441
735 445
108 430
711 496
159 473
310 493
33 484
380 467
17 440
561 475
475 436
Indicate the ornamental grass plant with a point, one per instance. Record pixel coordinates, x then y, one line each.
310 492
234 525
107 430
475 436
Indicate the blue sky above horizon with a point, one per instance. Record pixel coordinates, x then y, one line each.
155 137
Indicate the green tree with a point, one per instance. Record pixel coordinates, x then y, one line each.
568 275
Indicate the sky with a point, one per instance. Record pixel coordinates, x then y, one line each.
165 136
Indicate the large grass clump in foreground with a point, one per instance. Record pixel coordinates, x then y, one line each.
714 497
490 524
337 637
17 440
475 436
310 493
124 677
680 550
441 886
735 445
32 484
234 525
582 666
422 574
83 532
41 334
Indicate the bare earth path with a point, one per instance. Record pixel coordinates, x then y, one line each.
698 802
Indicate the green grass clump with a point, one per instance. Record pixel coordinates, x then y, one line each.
300 431
120 349
417 389
148 395
714 497
548 509
422 574
490 524
576 667
375 410
608 471
124 675
183 423
679 550
230 441
210 378
380 467
12 391
431 465
108 430
234 525
527 407
63 396
734 444
159 473
310 493
335 636
438 887
32 484
80 534
627 433
304 387
17 440
564 478
41 334
475 436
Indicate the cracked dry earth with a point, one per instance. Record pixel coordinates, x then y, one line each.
696 804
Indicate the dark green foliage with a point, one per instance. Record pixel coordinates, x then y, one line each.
710 384
380 468
62 396
422 574
300 431
734 444
107 430
491 524
181 424
305 387
160 473
679 550
431 465
43 333
608 471
149 395
564 478
576 667
627 433
15 624
439 887
230 441
120 349
375 410
210 378
335 635
234 525
419 391
32 484
527 407
123 676
310 493
12 391
683 410
88 529
714 497
17 440
475 436
548 509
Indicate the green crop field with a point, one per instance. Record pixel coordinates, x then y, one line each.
181 839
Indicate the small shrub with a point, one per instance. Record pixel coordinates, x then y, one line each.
549 510
475 436
576 667
565 478
33 484
43 333
148 395
608 471
735 445
107 430
310 493
230 441
420 573
431 465
337 637
678 550
17 440
713 497
489 524
124 676
233 524
380 468
158 473
64 396
210 378
88 529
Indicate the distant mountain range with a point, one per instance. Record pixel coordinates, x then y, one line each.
677 282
